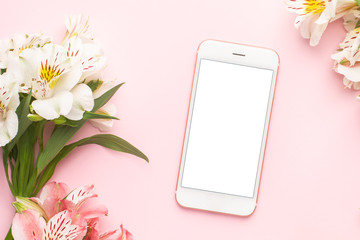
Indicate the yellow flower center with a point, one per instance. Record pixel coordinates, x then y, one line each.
2 108
50 74
314 6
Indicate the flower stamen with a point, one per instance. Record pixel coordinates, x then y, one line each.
50 73
2 109
314 6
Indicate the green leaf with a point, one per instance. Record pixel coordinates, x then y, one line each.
358 2
31 186
9 235
6 167
91 115
26 157
95 84
2 71
103 99
106 140
14 176
57 141
112 142
62 134
49 170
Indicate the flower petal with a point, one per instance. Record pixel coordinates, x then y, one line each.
29 203
104 87
27 225
51 196
83 101
328 13
104 124
77 25
351 73
93 231
8 127
52 108
60 227
120 234
317 33
307 25
55 190
69 79
81 194
89 211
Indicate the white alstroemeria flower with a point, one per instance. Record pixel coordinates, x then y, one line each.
104 124
314 15
347 59
5 46
12 48
351 19
20 43
9 101
89 53
77 25
54 82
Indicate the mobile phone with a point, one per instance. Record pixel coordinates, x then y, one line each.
226 129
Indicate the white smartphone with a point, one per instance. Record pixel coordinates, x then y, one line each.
226 128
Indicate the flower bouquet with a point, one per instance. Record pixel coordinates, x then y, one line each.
312 20
57 87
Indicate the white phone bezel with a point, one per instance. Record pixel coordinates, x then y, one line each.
242 55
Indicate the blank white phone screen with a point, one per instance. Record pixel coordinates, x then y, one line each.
226 128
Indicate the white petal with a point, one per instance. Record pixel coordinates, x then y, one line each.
349 21
317 33
11 123
105 86
52 108
328 13
8 128
351 73
68 80
104 124
299 19
14 100
307 25
83 101
338 56
77 25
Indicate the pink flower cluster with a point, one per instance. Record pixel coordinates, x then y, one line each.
61 214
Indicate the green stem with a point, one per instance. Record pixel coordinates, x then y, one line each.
5 162
40 134
31 186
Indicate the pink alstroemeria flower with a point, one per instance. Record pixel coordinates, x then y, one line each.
30 225
61 214
119 234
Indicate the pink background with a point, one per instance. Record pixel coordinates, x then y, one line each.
311 178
